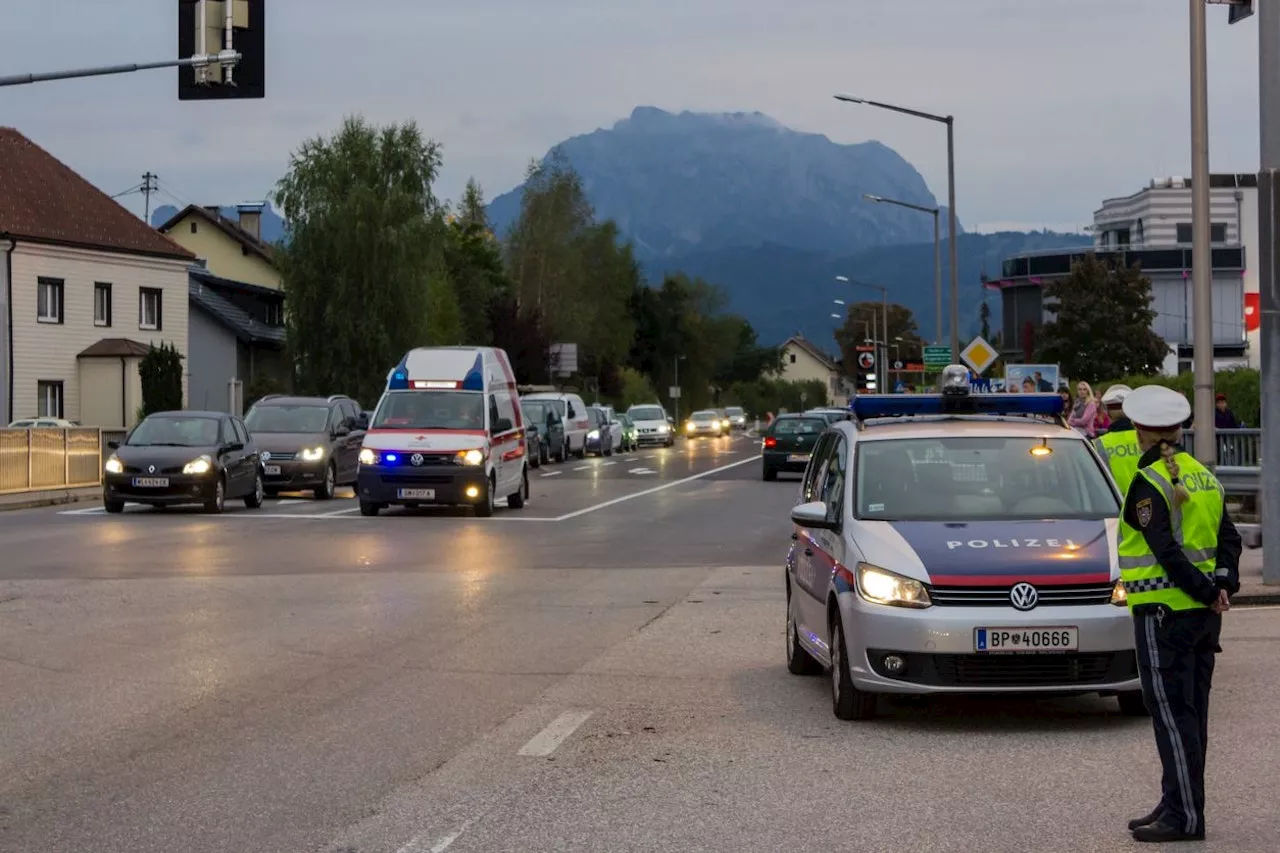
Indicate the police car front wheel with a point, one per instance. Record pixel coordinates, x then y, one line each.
847 701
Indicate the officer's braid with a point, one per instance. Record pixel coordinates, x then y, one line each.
1180 493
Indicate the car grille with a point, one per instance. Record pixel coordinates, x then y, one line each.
1030 670
282 456
998 596
171 469
417 479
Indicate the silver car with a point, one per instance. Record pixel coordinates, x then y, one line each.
958 553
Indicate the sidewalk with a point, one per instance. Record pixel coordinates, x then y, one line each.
52 497
1252 589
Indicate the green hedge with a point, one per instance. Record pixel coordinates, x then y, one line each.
772 395
1242 385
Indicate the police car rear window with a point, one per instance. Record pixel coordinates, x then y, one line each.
980 479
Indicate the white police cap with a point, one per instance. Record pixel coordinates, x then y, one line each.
1156 408
1115 395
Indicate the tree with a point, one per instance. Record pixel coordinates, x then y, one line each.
444 317
862 317
520 335
363 229
473 257
161 373
1101 324
471 211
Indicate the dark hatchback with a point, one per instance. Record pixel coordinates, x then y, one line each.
545 431
174 458
789 441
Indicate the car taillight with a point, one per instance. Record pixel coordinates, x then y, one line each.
771 442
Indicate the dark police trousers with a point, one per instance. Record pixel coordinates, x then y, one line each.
1175 662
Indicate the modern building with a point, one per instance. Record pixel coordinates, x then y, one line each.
1152 228
237 333
86 288
804 361
231 249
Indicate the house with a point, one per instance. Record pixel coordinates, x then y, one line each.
237 340
230 249
803 361
86 288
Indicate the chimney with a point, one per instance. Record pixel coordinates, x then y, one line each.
250 216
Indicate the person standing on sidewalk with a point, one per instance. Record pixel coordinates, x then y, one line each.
1179 561
1119 447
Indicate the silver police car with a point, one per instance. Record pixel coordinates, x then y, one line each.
958 543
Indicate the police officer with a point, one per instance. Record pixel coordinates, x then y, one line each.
1179 560
1119 446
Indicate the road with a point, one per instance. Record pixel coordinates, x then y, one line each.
602 670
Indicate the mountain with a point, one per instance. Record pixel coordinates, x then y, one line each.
272 223
699 182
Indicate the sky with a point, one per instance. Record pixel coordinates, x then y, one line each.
1058 104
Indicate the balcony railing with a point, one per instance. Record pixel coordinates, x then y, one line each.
1052 262
35 460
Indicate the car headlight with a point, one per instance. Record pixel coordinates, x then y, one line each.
368 457
725 423
199 465
472 457
312 454
114 465
663 429
881 586
689 426
1119 596
594 435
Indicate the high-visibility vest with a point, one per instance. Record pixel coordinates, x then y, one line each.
1195 527
1122 453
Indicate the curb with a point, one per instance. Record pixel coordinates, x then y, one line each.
44 499
1255 599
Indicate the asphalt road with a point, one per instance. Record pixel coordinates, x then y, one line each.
600 671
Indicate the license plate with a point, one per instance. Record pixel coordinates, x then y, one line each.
151 482
417 494
798 457
1060 639
271 470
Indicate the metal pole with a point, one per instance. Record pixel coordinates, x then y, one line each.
226 58
1268 284
884 315
1201 262
951 227
677 398
937 276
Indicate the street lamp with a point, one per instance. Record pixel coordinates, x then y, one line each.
1206 447
676 400
884 316
949 121
937 252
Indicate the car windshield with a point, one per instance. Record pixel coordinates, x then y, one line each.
174 431
431 410
647 413
302 418
798 426
733 411
995 478
705 416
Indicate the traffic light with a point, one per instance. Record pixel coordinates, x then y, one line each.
202 28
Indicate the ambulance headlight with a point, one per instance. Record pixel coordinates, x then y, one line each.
368 457
471 457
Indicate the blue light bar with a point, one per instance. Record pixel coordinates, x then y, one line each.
398 378
865 407
474 380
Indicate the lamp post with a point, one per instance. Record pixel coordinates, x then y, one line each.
949 121
1201 264
937 252
884 321
676 361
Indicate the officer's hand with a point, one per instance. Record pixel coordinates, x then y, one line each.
1223 604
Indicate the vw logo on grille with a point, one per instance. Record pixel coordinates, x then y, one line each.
1023 596
266 457
151 469
416 459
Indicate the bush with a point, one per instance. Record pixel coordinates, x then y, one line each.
635 388
774 395
1242 385
161 374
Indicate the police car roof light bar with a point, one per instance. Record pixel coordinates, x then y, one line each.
866 407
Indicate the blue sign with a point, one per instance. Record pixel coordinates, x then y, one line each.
899 388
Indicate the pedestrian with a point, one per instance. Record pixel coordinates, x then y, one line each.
1119 447
1179 561
1223 417
1083 410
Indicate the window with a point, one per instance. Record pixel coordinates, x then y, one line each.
101 303
275 314
833 484
793 358
241 431
149 309
49 300
50 403
194 228
1217 232
816 462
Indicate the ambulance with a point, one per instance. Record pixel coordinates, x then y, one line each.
448 431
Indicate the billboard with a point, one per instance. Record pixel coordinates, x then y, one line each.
1031 378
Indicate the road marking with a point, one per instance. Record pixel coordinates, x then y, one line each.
552 473
440 845
603 464
582 467
642 471
545 742
338 512
651 491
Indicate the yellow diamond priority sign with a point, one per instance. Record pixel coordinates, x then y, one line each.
979 355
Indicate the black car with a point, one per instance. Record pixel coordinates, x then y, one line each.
307 443
789 441
174 458
544 432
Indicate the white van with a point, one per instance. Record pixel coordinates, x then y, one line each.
447 431
574 414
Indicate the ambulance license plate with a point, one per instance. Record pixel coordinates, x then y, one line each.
417 494
1024 640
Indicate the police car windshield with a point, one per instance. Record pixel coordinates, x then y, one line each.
431 410
996 478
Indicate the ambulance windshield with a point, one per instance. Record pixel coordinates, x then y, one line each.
431 410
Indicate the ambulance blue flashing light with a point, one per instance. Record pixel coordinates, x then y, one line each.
474 380
398 378
866 407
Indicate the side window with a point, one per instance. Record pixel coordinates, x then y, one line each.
335 416
573 413
833 486
815 464
347 411
242 431
493 411
506 407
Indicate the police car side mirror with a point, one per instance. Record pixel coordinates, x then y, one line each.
812 514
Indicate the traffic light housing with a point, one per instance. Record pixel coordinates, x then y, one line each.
247 79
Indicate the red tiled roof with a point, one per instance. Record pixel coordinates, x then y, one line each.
43 200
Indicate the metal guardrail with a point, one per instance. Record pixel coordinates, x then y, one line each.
34 460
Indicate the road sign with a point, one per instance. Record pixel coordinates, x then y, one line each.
937 356
674 392
866 360
979 355
897 365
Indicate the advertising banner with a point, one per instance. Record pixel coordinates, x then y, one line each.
1031 378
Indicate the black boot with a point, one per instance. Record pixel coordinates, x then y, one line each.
1161 832
1143 821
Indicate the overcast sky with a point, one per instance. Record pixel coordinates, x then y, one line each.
1058 103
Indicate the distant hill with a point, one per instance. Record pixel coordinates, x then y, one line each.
699 182
273 226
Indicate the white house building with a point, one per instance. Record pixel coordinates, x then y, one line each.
86 288
803 361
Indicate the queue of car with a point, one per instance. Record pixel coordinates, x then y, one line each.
953 543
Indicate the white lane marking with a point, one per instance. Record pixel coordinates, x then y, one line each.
417 845
642 471
651 491
603 464
338 512
552 473
582 467
545 742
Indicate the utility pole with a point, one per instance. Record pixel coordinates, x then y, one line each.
1269 281
1206 448
148 187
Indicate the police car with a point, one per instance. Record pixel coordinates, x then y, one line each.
958 543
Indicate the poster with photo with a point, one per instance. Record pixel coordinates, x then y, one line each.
1031 378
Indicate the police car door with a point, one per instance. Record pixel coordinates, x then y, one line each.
818 555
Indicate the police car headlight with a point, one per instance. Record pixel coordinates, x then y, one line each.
1119 597
368 457
881 586
471 457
